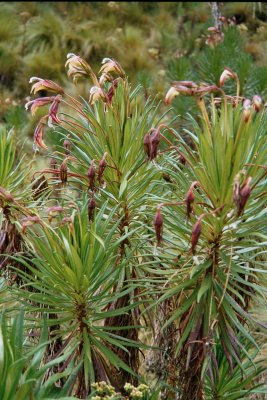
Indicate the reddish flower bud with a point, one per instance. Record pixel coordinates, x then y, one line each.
196 231
158 224
189 199
244 194
91 208
53 110
111 91
154 143
63 173
39 133
67 147
91 175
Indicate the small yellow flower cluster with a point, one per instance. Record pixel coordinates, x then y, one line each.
136 393
103 389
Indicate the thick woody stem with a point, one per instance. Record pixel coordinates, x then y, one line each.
216 14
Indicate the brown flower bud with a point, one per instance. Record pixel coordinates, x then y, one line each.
189 199
147 143
63 173
53 112
158 224
244 194
91 175
91 208
111 90
39 133
67 147
196 231
154 143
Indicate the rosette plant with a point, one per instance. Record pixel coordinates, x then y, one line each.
214 231
85 266
16 198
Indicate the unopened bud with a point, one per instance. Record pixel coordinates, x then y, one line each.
91 175
147 143
154 143
67 147
158 224
111 90
63 173
244 194
196 231
189 199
